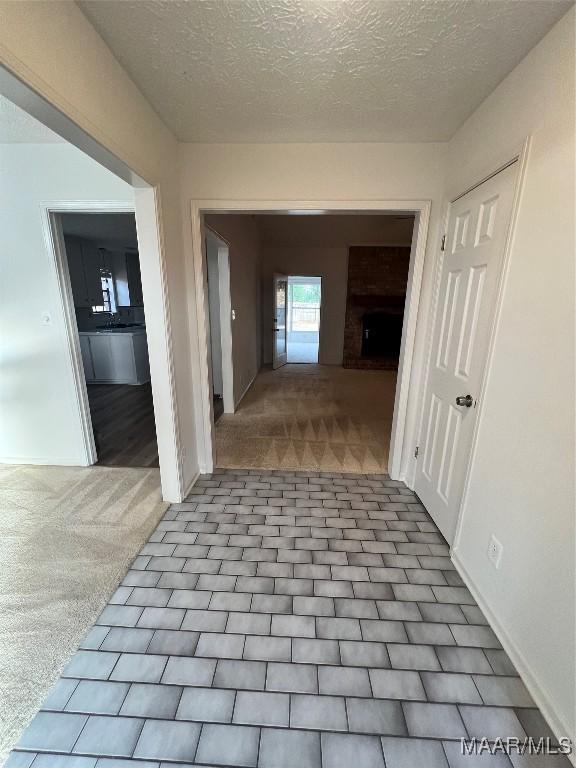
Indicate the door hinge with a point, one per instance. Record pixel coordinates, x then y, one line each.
416 452
443 243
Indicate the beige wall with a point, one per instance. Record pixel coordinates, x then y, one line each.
521 485
56 51
318 246
241 234
326 172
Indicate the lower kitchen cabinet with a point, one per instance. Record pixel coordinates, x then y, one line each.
115 358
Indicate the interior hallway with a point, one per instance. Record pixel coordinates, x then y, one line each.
311 417
67 536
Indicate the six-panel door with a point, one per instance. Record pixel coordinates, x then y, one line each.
476 237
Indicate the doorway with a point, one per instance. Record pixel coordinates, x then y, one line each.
303 319
102 270
271 394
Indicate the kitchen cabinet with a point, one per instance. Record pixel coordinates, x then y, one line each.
93 262
134 279
115 357
87 357
84 264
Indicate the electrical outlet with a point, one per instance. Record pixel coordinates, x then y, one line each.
495 550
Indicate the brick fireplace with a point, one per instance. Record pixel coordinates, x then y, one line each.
377 280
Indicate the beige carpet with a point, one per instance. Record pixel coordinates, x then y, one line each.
67 536
311 417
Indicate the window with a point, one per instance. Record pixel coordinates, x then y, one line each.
108 295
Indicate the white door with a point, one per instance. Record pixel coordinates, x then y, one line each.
279 341
476 236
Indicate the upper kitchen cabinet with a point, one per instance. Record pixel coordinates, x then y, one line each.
126 271
134 279
76 270
84 264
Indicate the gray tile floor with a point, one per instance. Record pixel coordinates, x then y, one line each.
286 620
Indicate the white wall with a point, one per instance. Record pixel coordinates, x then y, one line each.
241 234
53 48
522 480
39 421
318 245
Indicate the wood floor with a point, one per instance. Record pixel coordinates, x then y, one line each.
123 423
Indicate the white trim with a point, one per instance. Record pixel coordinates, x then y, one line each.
190 485
200 331
224 293
402 443
305 277
225 301
52 461
542 699
401 460
152 255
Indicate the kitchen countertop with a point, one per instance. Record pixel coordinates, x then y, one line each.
133 331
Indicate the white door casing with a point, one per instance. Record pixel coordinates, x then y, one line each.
477 232
279 332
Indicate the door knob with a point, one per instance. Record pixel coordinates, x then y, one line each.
465 400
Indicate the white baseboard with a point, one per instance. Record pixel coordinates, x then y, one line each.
541 698
191 484
55 461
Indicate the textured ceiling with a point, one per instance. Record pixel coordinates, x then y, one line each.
319 70
18 127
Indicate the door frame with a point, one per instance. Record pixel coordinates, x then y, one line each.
278 277
403 434
150 252
318 277
225 301
519 154
55 245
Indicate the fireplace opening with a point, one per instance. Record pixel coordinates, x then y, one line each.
381 335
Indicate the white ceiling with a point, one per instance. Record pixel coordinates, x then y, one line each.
18 127
319 70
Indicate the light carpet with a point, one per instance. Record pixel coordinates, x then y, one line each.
311 417
67 537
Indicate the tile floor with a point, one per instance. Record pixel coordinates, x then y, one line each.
286 620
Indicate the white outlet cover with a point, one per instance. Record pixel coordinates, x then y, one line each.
495 550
